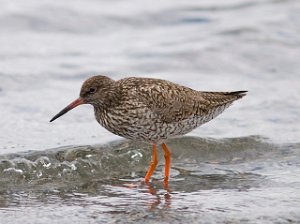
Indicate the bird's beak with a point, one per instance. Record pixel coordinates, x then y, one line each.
72 105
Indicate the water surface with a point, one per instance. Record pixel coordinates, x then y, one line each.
234 180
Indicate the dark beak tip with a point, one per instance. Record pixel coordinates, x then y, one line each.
54 118
68 108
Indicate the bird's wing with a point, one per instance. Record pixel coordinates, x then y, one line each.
173 102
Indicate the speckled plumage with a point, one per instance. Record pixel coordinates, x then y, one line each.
153 110
150 110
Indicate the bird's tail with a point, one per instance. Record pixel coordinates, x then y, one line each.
237 94
222 98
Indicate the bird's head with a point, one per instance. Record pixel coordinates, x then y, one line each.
97 91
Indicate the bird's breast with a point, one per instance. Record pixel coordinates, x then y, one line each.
126 122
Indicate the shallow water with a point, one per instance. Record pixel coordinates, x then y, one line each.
237 179
245 166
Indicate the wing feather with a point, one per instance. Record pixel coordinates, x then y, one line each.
173 102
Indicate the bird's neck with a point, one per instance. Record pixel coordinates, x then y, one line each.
110 98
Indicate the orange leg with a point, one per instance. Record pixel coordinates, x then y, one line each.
153 164
167 155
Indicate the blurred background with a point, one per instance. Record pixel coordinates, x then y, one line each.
48 48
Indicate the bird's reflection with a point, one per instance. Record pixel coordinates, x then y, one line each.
154 203
158 201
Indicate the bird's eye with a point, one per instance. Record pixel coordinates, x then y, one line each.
92 90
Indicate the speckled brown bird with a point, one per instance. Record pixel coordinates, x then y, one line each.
150 110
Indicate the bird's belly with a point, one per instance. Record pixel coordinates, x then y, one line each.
161 131
148 127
